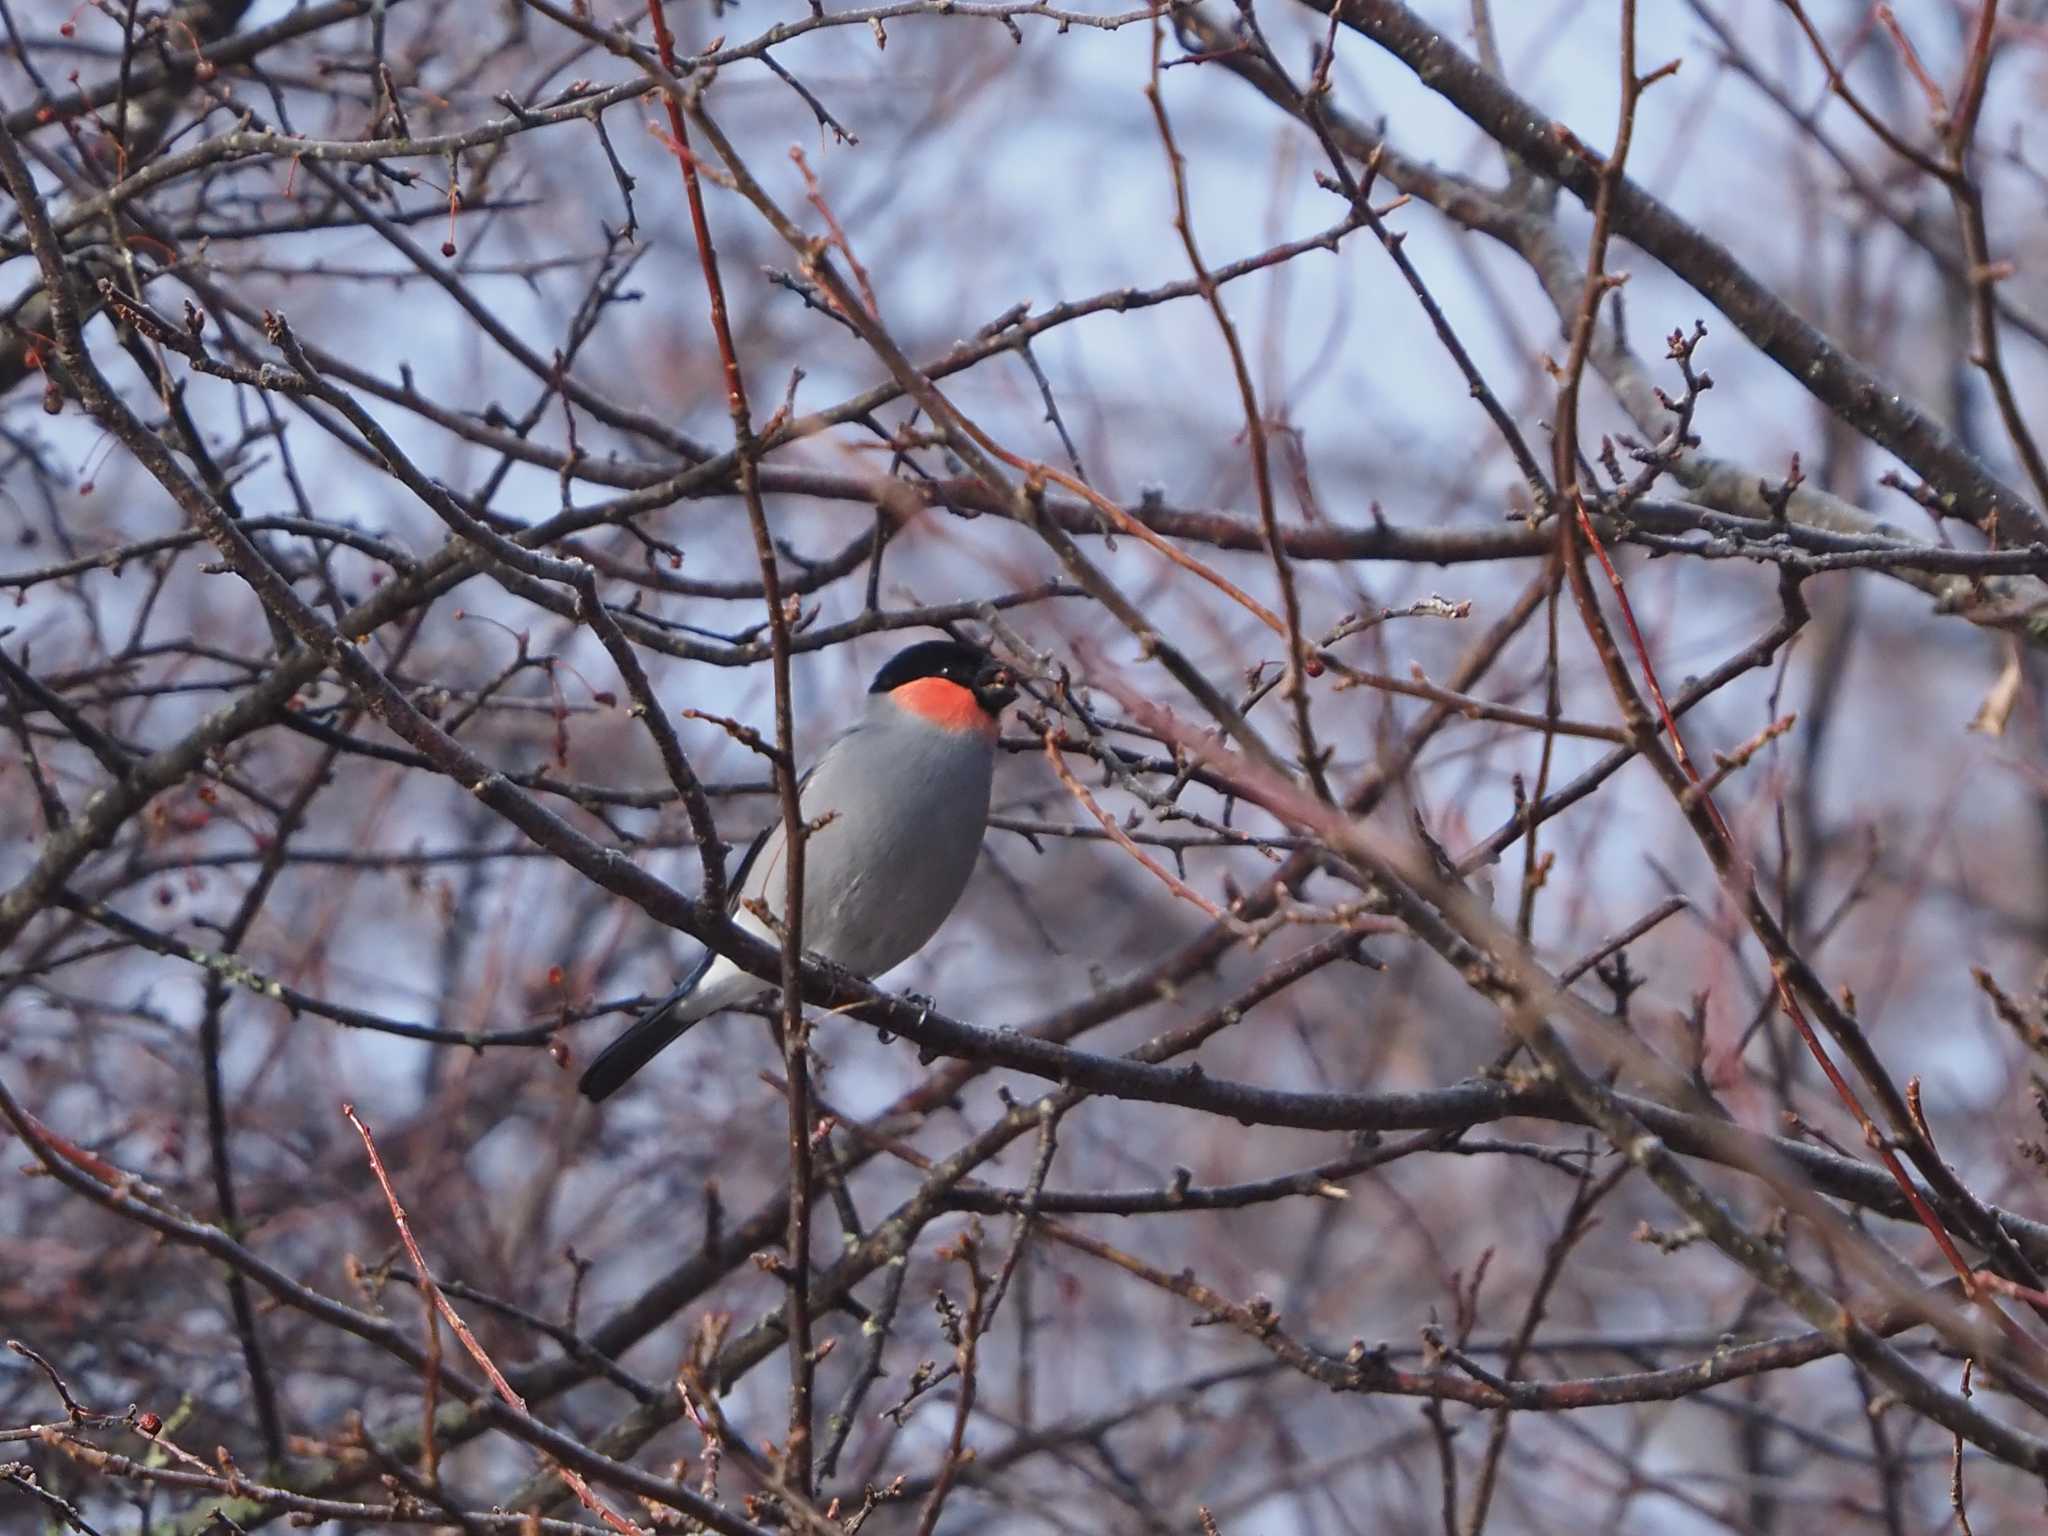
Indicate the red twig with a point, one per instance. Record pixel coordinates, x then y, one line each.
1122 839
440 1303
1734 868
794 1038
816 195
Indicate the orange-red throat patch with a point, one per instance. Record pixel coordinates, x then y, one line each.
944 703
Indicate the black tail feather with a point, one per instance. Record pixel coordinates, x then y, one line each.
643 1040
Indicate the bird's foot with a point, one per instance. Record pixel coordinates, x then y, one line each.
925 1004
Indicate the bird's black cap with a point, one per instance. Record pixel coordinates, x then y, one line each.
955 661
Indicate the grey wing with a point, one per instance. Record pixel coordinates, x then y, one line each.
744 882
661 1025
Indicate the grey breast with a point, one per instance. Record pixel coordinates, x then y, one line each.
884 872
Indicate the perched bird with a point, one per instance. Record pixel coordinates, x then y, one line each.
906 790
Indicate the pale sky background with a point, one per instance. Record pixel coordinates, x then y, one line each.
996 174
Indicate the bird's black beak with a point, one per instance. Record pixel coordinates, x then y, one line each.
995 688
